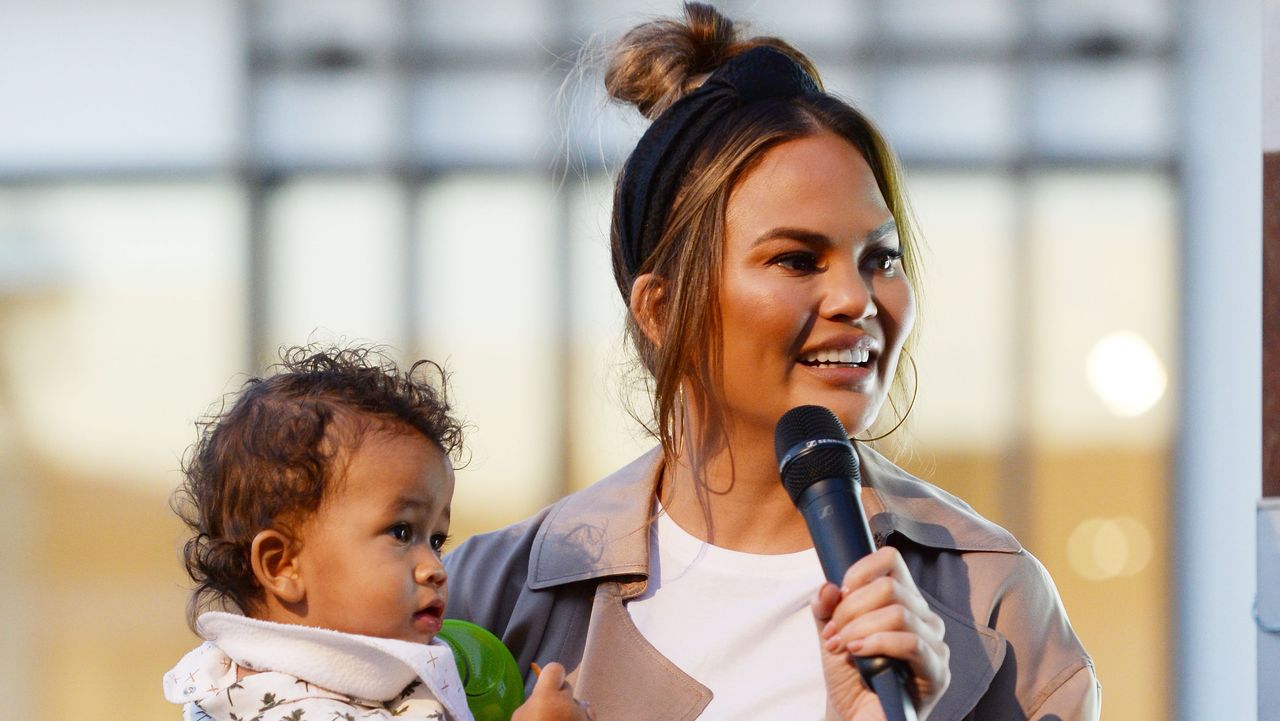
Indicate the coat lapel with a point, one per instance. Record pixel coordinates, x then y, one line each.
623 676
604 534
976 655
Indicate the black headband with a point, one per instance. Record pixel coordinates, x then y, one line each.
661 158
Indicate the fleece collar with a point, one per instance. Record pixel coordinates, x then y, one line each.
362 667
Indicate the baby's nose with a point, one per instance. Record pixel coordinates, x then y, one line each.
430 572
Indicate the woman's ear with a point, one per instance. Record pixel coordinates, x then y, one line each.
275 564
649 305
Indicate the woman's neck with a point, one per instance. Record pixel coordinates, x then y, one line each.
733 498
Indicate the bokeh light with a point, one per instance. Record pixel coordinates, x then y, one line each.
1126 373
1104 548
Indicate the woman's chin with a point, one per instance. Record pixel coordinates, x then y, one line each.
853 412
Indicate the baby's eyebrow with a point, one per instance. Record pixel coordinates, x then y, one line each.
418 504
411 503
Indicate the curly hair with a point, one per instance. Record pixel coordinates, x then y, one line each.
267 462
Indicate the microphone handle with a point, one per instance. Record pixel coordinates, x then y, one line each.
833 512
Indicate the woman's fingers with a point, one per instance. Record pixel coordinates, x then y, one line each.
824 604
924 655
887 618
882 581
881 612
886 561
897 608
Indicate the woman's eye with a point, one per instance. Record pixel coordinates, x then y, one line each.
439 540
798 262
883 260
402 532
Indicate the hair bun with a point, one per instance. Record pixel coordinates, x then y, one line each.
657 63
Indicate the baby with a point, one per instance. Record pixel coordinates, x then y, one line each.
318 505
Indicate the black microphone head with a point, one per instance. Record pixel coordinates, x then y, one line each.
812 445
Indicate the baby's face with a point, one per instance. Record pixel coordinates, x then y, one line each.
370 556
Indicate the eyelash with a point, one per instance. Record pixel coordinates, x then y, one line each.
395 529
438 540
789 261
882 260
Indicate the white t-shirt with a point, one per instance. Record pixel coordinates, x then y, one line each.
737 622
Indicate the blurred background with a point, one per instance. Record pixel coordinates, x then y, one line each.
186 186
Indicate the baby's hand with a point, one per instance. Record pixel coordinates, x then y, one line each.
552 700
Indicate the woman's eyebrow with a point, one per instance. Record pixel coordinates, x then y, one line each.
886 228
810 237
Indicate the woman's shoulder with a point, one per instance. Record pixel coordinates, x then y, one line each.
993 594
965 559
532 582
618 501
928 515
598 531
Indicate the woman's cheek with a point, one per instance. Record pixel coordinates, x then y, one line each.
897 302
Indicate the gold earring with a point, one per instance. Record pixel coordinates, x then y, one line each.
915 391
680 419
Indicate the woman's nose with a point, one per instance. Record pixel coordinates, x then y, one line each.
847 295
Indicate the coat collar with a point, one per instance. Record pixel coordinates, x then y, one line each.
898 502
602 530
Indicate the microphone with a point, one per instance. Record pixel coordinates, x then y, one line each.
820 472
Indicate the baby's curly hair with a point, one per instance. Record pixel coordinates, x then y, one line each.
267 461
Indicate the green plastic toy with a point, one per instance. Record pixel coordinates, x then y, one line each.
488 670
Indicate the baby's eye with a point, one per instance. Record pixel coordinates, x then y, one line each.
439 540
798 261
402 532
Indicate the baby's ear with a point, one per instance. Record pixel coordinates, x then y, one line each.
275 564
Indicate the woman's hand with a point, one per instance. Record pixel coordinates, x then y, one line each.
552 699
878 611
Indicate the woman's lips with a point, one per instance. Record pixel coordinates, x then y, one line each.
841 374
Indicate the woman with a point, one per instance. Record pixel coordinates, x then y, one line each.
761 243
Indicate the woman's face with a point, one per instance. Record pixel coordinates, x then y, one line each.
814 302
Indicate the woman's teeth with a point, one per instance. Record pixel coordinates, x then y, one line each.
832 357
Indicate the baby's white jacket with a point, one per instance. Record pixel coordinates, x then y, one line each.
312 674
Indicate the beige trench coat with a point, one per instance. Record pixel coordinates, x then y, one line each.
554 587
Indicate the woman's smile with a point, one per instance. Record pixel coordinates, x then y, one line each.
847 361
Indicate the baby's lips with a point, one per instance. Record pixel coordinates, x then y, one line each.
434 608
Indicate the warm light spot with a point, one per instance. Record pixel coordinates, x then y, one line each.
1103 548
1126 373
